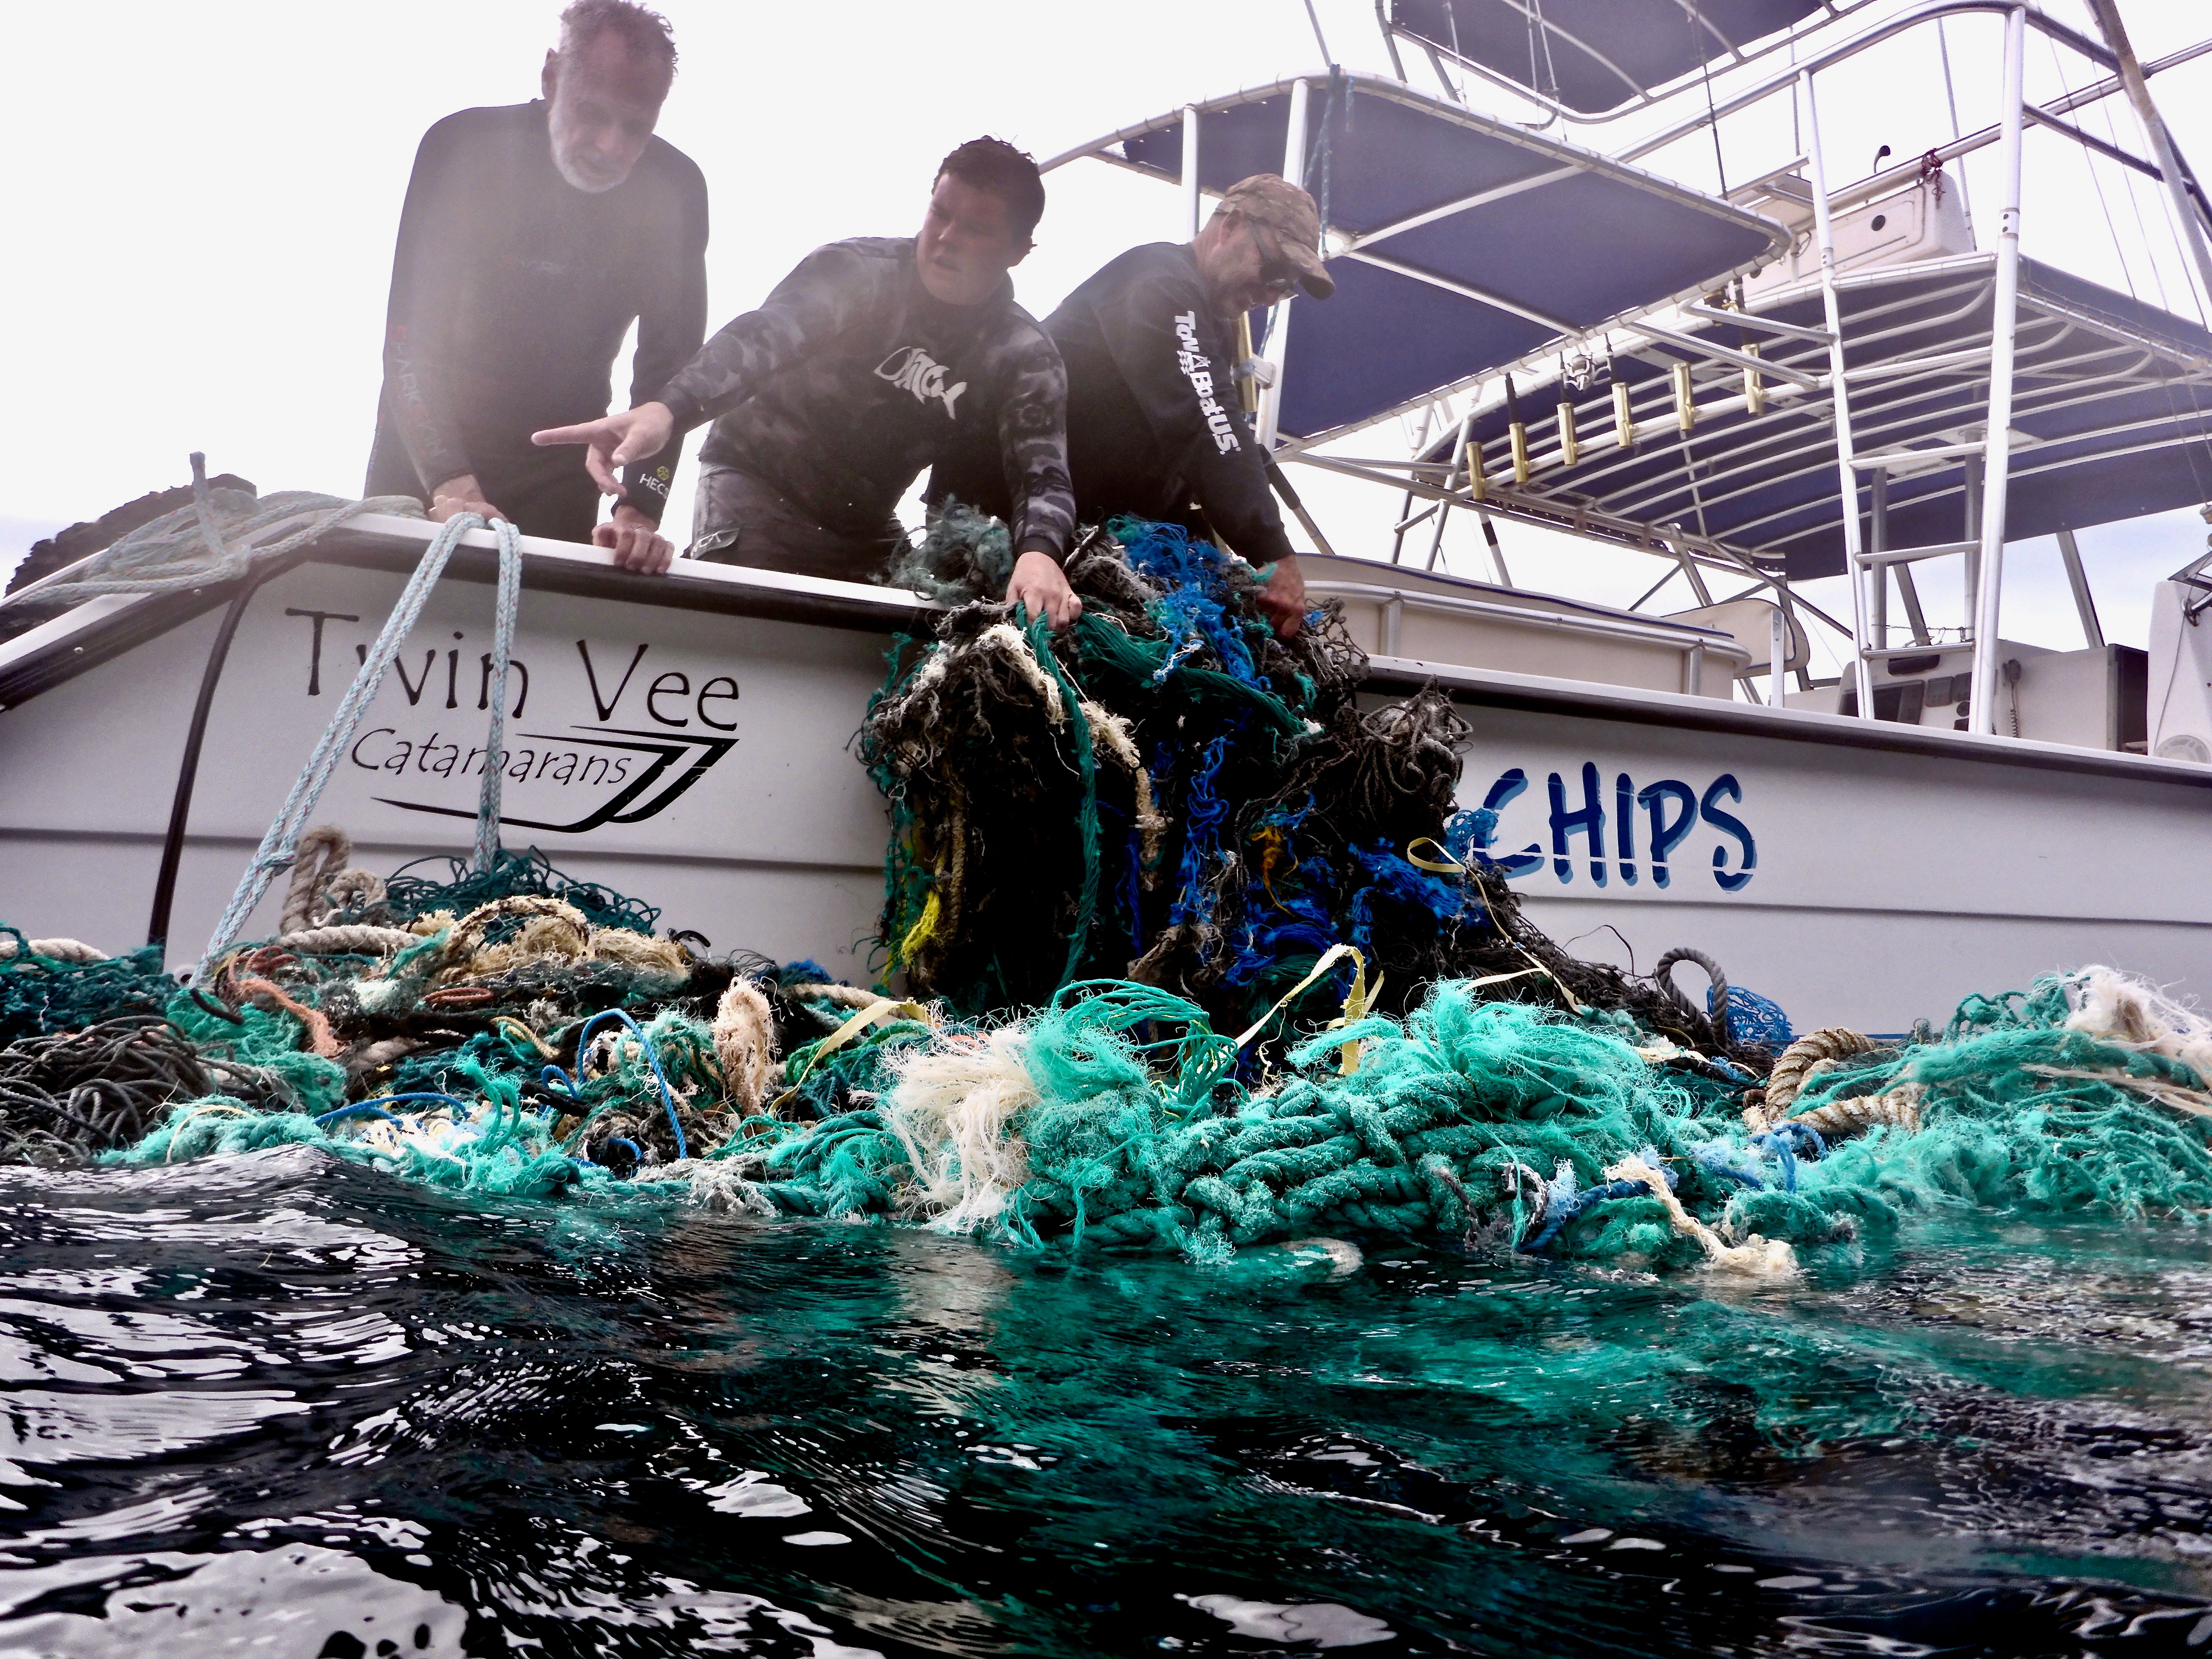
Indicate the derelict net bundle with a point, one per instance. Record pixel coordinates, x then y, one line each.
1197 954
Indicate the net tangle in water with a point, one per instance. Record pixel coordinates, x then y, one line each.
1110 851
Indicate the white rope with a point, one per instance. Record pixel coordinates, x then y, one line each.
280 847
353 938
56 949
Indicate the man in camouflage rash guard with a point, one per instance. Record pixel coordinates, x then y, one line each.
872 360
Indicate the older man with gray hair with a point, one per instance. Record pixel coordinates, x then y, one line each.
533 236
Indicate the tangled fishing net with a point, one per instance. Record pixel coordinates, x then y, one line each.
1200 958
1173 794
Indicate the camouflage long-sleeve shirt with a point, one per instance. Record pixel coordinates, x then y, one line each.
851 379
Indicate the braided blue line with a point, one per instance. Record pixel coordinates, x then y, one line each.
1567 1209
280 847
461 1106
667 1096
502 646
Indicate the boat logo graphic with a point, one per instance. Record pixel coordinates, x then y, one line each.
911 369
567 777
648 771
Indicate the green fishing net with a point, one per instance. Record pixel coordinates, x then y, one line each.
1117 1119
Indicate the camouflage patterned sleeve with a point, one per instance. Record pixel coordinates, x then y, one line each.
1033 446
827 290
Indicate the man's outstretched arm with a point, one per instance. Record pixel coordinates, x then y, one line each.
671 327
1033 449
830 288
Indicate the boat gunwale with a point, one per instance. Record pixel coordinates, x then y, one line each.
100 630
1496 687
105 626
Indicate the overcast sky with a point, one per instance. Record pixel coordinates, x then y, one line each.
201 213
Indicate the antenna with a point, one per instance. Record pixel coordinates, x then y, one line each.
1879 156
1320 40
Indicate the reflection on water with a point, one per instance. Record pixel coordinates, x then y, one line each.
282 1405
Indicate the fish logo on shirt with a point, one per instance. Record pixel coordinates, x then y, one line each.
914 370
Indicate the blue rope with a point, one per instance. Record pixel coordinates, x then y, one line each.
502 646
360 1106
1782 1140
667 1096
391 1100
1720 1158
1566 1209
1807 1131
279 848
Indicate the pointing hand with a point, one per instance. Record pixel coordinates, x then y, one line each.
615 441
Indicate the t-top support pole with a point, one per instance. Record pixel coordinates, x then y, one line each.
2077 578
1877 601
1405 508
1452 481
1279 327
1194 200
1846 459
1997 451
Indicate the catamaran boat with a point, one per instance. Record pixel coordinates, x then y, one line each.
1789 381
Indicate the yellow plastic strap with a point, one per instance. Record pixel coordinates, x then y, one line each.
1518 973
1329 958
1442 865
1357 1002
851 1028
1445 864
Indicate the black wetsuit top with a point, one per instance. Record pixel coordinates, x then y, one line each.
1153 422
512 292
851 379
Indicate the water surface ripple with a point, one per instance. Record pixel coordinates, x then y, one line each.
282 1405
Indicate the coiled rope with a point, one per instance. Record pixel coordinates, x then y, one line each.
226 526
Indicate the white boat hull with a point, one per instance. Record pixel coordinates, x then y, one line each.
686 741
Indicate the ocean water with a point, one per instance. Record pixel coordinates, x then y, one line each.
282 1405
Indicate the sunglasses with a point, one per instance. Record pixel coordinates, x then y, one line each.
1277 275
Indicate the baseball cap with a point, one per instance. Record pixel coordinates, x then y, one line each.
1276 204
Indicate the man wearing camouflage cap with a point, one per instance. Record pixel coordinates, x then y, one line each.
1154 424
